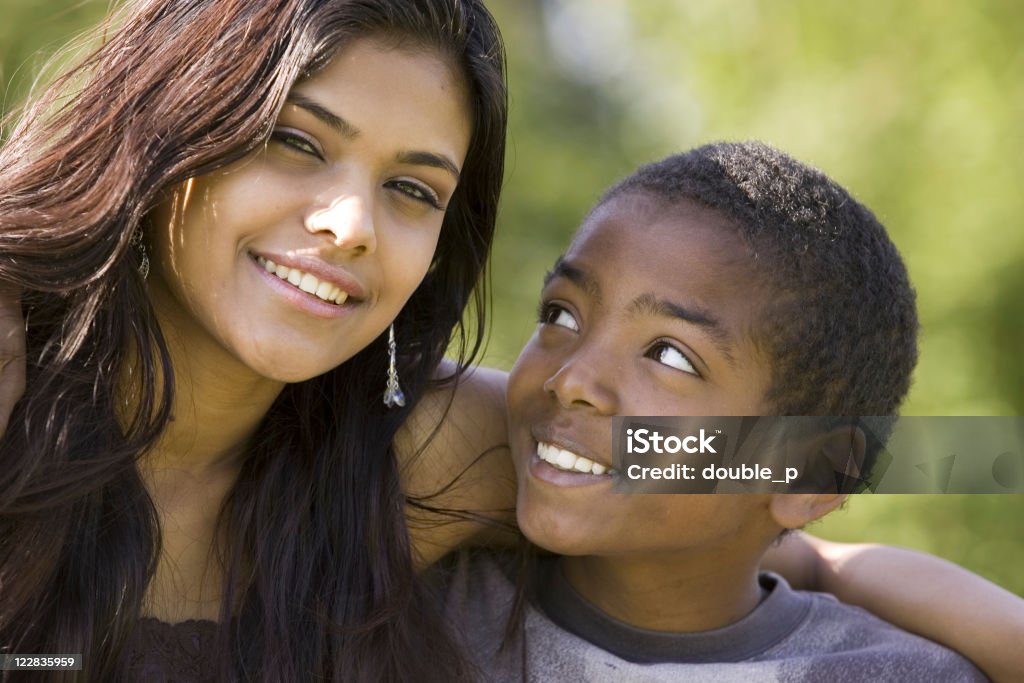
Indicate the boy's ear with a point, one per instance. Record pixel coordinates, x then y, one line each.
832 461
842 450
845 448
794 510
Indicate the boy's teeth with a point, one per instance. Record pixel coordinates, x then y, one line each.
569 461
583 465
306 282
565 460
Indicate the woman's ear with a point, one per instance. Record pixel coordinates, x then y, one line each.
794 510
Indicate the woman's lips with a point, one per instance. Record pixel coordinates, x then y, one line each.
307 282
309 302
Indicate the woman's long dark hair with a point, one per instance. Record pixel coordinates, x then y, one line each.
320 583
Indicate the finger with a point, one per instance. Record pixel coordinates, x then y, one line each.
12 355
12 386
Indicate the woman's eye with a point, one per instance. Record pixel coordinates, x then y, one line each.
418 192
666 354
296 142
553 314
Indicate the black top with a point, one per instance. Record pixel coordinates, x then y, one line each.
159 652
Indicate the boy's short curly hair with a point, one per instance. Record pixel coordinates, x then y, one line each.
840 325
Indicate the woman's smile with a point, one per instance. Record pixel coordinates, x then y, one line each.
305 291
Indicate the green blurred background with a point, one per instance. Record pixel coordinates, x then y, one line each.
915 107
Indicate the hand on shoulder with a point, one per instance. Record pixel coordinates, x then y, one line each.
455 465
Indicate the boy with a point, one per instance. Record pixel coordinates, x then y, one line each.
730 280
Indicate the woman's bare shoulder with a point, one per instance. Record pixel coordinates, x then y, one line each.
455 464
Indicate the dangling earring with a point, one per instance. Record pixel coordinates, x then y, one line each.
393 395
140 246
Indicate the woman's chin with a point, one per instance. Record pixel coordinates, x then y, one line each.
289 370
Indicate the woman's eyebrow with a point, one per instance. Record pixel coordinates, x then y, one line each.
324 114
430 159
346 129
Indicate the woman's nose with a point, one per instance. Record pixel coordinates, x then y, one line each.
347 219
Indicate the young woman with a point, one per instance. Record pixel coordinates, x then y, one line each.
220 222
203 441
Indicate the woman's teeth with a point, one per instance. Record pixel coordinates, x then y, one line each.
306 282
569 461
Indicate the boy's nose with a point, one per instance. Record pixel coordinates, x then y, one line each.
347 219
584 383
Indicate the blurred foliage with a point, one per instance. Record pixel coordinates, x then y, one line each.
31 32
915 107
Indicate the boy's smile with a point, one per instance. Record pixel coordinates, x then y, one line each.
649 312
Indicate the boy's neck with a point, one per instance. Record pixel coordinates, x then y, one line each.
674 592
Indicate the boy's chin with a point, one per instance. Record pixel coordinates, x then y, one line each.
558 535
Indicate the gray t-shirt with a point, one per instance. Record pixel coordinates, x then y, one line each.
791 636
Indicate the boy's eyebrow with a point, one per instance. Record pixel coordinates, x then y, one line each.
346 129
650 304
578 277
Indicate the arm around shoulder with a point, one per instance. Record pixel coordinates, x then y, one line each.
917 592
455 464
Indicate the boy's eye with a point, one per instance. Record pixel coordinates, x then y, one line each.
666 354
297 142
553 314
417 191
